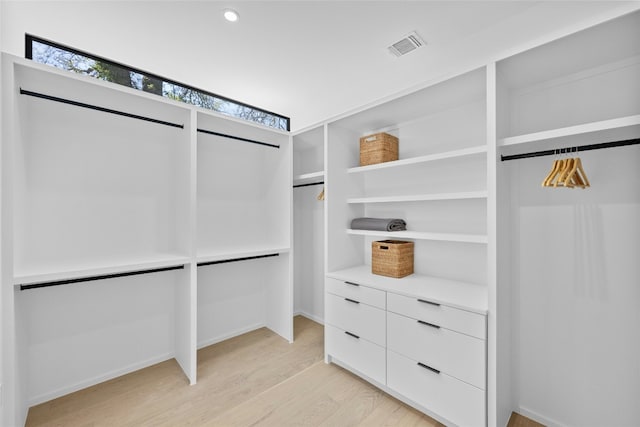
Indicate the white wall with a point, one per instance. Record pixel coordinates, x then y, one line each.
309 247
576 292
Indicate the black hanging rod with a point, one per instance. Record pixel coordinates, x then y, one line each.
224 135
101 277
223 261
572 149
306 185
98 108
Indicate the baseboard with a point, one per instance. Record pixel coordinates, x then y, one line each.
539 418
36 400
232 334
309 316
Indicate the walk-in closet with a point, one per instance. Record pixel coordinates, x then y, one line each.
439 231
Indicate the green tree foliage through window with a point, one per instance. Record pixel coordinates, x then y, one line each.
68 59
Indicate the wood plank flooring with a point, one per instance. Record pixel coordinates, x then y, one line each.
518 420
255 379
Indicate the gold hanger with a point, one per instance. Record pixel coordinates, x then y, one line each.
563 179
573 179
562 165
558 165
551 174
569 179
576 176
321 195
581 174
567 172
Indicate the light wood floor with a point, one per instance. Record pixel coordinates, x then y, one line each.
254 379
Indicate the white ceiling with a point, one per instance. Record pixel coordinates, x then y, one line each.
309 60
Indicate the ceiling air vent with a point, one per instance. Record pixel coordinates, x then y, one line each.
410 42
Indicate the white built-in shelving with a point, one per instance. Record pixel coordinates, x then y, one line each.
579 90
308 178
91 188
420 197
308 221
105 266
132 235
417 235
598 130
97 178
308 154
438 186
240 191
421 159
463 295
559 95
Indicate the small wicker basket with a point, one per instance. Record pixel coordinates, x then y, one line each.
378 148
392 258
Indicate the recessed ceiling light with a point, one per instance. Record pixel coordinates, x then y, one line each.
231 15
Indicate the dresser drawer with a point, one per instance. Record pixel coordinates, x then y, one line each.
457 401
448 317
356 291
359 354
358 318
453 353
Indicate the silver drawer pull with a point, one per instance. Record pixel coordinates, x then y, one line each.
422 365
351 283
429 302
352 300
352 335
422 322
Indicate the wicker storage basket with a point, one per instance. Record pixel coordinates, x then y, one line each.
392 258
378 148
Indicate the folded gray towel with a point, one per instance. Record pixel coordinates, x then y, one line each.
379 224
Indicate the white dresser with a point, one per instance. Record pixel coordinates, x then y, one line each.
402 337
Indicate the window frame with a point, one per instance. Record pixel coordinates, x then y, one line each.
30 39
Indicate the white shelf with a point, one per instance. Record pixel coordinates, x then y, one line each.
421 159
253 252
466 296
421 197
307 178
420 235
64 271
586 128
